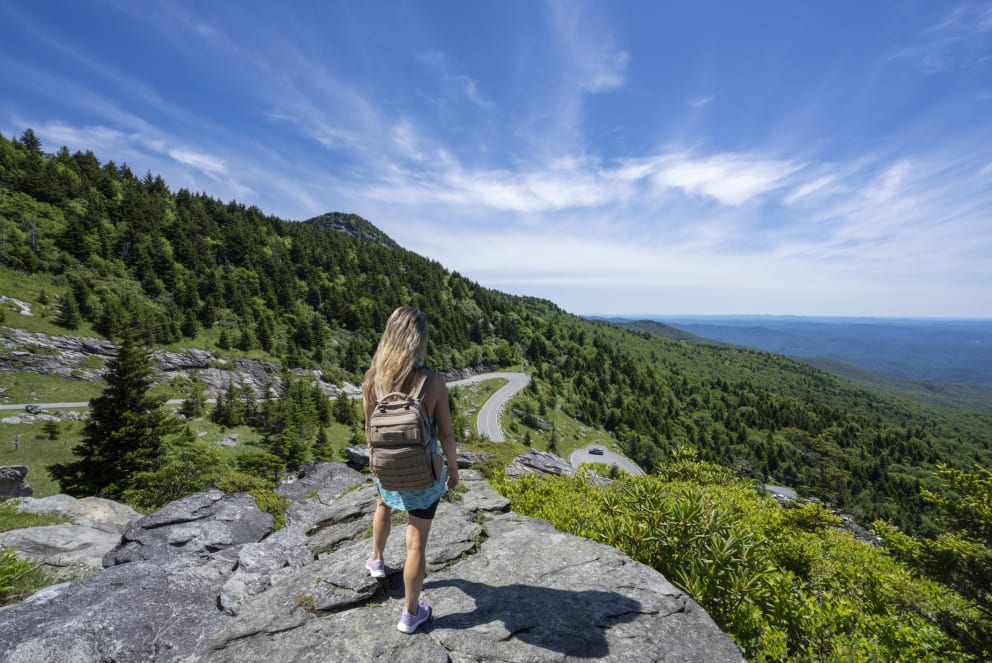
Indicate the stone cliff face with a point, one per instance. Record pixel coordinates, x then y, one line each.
207 579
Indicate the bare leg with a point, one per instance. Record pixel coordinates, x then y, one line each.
381 524
416 560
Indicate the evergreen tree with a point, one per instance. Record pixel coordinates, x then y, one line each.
68 316
344 410
322 449
51 429
124 433
185 466
196 398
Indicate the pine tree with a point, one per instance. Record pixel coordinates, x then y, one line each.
68 316
51 429
322 449
344 411
124 433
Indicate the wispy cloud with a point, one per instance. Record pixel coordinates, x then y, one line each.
732 179
593 61
961 38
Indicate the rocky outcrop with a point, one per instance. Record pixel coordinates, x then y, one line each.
538 462
13 482
95 512
503 588
76 548
199 524
85 359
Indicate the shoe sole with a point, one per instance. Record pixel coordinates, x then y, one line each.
377 574
413 627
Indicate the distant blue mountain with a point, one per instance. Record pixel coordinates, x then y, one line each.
952 351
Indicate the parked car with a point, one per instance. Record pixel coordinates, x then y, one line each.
597 451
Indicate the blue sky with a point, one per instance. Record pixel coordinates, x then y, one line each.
808 158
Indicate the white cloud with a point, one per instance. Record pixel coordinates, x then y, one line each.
588 54
818 186
731 179
960 39
471 88
206 163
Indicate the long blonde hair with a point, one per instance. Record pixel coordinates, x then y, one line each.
401 348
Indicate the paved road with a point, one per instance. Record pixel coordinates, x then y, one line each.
580 456
488 421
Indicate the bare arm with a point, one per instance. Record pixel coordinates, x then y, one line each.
442 417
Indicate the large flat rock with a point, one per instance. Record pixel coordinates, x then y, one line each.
503 588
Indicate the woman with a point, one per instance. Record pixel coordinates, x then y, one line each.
398 365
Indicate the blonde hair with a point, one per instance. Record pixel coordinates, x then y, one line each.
400 350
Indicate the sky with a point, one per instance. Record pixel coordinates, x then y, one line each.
619 158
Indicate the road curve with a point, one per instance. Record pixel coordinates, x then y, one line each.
580 456
488 420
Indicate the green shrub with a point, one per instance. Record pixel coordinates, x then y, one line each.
266 498
786 584
19 577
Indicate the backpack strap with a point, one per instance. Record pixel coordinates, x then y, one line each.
420 390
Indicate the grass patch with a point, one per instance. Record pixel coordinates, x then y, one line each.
25 387
38 453
11 518
19 578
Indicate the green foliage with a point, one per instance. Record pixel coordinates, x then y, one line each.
123 436
961 557
196 398
266 498
185 466
68 316
786 584
344 409
19 577
262 464
51 429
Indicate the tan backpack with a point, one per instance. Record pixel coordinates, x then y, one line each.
401 441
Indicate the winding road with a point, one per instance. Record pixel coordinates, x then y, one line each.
585 455
488 420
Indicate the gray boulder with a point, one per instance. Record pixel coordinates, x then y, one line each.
200 524
62 546
538 462
144 611
358 456
96 512
13 483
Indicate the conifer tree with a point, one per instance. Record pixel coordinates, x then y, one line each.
124 433
322 449
344 410
68 316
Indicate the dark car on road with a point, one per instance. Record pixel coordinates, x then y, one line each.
596 451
